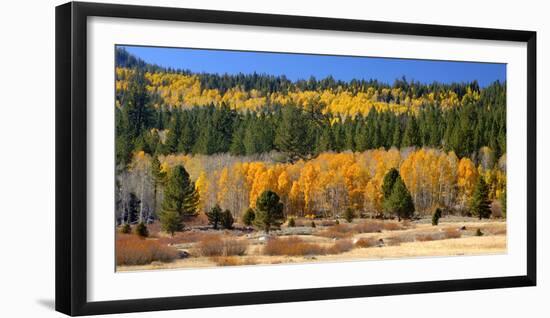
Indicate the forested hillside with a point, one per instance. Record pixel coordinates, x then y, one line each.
322 145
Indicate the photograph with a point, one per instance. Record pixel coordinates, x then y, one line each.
248 158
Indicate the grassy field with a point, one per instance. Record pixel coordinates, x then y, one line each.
327 242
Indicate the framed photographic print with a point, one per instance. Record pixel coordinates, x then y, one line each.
208 158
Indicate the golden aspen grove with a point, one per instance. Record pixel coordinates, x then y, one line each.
242 169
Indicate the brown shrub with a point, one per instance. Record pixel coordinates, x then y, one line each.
235 247
154 229
292 246
392 226
339 231
340 246
370 226
212 245
398 239
424 237
133 250
365 242
452 233
328 223
295 246
218 245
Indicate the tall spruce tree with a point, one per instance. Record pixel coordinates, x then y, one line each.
480 205
269 211
292 133
411 137
180 199
399 202
389 180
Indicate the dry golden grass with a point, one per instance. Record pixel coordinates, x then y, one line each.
233 260
365 242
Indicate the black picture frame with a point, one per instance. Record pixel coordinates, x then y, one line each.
71 157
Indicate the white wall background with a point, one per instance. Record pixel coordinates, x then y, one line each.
27 158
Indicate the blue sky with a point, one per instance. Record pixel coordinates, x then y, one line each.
302 66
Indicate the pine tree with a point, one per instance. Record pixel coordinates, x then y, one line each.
132 208
291 222
180 199
388 182
400 201
171 222
292 133
141 230
248 217
237 143
214 216
411 137
436 216
269 211
173 134
480 205
396 138
227 219
159 178
349 214
187 136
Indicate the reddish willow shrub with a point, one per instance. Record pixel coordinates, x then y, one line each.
294 246
133 250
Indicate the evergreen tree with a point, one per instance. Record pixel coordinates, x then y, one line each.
436 216
399 202
237 142
325 141
389 180
180 199
269 211
187 136
292 133
227 219
173 134
136 107
411 137
480 205
141 230
291 222
132 209
159 178
171 222
214 216
396 137
349 214
248 217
